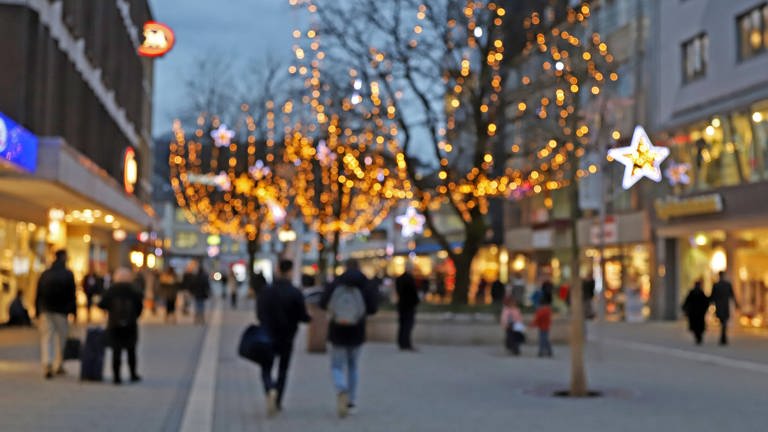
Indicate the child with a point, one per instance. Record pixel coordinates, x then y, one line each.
512 322
543 321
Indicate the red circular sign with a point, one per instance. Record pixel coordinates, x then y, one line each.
157 40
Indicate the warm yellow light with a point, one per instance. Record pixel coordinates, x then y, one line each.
716 122
757 116
616 135
700 240
710 130
719 261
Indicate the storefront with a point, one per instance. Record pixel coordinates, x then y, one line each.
701 235
57 198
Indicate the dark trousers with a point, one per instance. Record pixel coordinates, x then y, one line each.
117 353
406 320
723 331
283 355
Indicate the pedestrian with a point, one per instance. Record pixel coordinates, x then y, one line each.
543 321
195 281
280 309
482 286
588 294
497 292
232 285
695 308
93 285
518 288
547 290
55 300
348 299
722 294
512 323
169 288
17 313
123 304
224 281
407 301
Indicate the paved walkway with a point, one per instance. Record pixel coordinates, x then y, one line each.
441 389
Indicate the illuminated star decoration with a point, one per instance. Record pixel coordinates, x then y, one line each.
243 185
278 212
641 158
258 171
412 222
222 136
677 173
324 154
222 181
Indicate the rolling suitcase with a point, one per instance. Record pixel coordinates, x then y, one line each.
92 355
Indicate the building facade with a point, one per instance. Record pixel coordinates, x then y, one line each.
73 84
711 109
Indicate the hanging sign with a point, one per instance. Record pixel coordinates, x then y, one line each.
158 39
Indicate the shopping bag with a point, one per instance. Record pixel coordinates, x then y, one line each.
256 345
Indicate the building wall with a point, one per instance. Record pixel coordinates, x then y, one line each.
729 82
71 70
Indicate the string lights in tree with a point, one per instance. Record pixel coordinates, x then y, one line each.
221 177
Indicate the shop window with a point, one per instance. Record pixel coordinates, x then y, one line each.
753 32
186 240
759 127
695 57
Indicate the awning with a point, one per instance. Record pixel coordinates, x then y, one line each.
68 180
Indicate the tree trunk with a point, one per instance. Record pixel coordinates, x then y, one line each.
322 259
462 262
335 251
578 371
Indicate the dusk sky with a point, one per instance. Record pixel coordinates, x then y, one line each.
243 30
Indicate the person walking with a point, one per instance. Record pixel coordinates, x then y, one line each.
169 288
55 300
695 308
518 288
512 323
123 304
407 301
348 299
722 295
497 292
232 285
195 281
93 285
543 321
280 309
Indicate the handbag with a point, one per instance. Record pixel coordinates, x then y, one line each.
72 348
256 345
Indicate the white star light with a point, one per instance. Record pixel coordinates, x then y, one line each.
641 158
222 136
259 170
412 222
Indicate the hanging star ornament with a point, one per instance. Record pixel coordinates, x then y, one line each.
222 136
641 158
412 222
677 173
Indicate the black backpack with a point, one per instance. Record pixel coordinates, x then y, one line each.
122 312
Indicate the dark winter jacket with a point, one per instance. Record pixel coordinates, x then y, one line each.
350 336
407 293
56 290
280 309
197 285
722 294
124 305
695 308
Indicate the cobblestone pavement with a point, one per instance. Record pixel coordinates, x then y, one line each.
436 389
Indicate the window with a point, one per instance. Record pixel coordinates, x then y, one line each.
753 32
695 57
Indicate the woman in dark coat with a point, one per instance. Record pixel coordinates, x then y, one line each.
123 304
695 307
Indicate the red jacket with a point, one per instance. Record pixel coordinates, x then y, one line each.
543 318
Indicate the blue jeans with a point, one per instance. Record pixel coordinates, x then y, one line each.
342 356
545 349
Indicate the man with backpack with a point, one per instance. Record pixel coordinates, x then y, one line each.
348 300
280 310
124 305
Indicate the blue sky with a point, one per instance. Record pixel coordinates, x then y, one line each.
243 30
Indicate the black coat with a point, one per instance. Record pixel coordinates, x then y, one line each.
56 290
197 285
722 294
119 293
695 308
407 292
280 309
350 336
